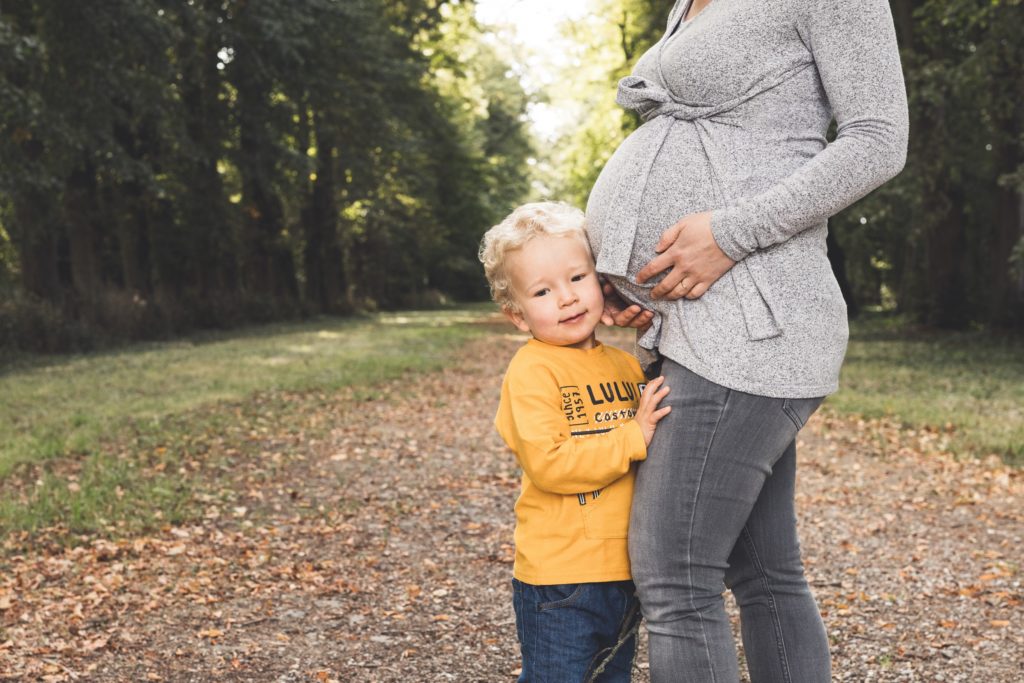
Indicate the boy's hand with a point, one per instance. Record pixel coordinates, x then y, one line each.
616 311
648 414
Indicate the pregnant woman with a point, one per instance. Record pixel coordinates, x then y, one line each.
711 217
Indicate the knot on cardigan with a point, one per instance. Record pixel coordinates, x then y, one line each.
651 100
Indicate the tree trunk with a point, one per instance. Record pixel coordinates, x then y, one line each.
204 206
1007 298
133 237
269 270
945 280
323 259
83 239
36 242
1006 302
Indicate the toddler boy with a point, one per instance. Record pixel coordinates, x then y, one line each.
577 417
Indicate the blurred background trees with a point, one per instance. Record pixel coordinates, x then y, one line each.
167 166
172 165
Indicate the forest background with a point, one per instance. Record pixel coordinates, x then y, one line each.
173 166
304 499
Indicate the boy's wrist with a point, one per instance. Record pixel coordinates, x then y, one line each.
638 440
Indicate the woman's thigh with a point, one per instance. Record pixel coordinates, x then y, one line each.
704 472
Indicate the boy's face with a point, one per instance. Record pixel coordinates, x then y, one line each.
555 284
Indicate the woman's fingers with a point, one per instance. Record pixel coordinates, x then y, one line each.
698 290
669 237
671 280
657 264
686 251
680 290
664 260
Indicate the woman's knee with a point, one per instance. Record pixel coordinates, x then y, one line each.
754 584
669 589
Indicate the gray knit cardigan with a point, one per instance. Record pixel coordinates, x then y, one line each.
736 103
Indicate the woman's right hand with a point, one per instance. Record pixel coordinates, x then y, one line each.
617 313
648 414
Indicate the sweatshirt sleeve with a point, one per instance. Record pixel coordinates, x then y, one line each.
532 424
854 49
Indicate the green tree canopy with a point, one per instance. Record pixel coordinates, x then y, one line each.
171 165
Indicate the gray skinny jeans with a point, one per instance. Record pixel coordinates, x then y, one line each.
713 508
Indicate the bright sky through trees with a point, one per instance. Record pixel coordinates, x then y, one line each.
534 26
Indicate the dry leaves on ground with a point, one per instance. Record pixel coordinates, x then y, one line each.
380 550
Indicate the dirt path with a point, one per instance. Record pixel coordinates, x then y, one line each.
380 550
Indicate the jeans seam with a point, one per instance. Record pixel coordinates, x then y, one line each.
535 627
780 640
787 408
689 537
567 601
517 606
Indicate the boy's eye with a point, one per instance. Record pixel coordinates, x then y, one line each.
577 278
541 292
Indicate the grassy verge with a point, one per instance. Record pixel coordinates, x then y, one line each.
970 384
106 441
124 441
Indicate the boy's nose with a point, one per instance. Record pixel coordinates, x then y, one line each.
567 296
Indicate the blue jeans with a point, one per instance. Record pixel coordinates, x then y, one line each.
567 631
713 508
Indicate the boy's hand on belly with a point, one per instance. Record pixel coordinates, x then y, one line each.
616 311
691 256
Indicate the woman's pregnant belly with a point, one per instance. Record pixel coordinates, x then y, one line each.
678 179
680 182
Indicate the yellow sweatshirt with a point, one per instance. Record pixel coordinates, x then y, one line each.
568 416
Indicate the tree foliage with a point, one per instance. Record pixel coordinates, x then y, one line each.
938 240
609 41
167 165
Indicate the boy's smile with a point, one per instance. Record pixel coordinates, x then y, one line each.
555 285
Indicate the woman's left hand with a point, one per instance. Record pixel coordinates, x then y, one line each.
692 257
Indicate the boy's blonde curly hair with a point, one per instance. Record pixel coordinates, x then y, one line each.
555 219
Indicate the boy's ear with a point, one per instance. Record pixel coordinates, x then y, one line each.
517 319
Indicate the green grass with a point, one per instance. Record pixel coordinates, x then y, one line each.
123 441
60 406
106 438
972 382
